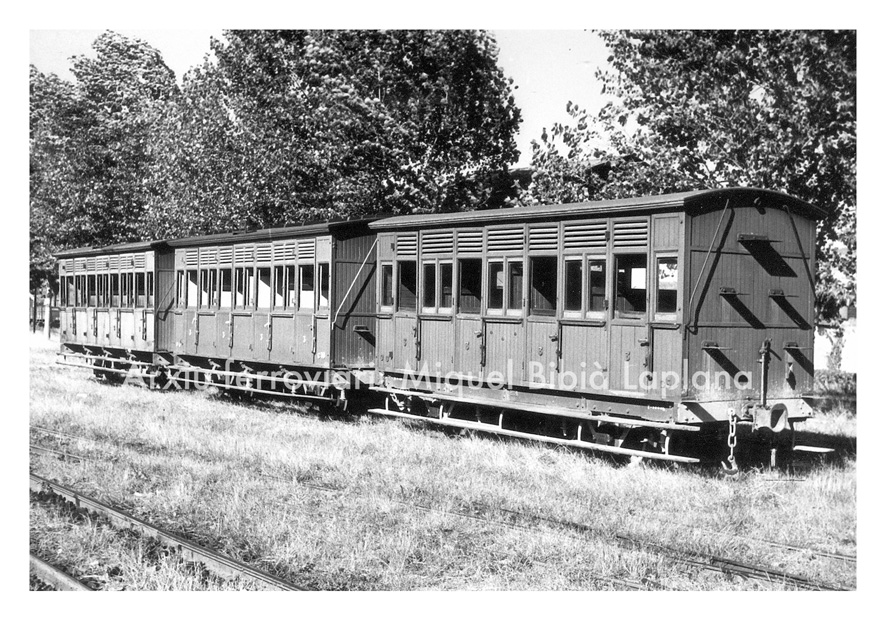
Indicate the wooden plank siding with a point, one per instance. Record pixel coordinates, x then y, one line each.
739 302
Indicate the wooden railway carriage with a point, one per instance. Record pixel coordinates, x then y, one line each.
283 311
616 325
107 315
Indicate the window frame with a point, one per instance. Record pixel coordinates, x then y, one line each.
656 314
457 291
632 316
544 313
382 307
437 307
397 278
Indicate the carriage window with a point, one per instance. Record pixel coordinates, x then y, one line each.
291 287
71 295
306 290
470 285
124 290
543 285
180 289
225 289
572 302
323 275
515 286
630 285
666 288
596 286
150 289
387 285
406 287
429 288
205 288
243 287
129 279
100 286
446 287
92 296
279 287
115 290
193 289
140 290
496 298
264 288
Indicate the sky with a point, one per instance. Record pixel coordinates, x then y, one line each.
548 67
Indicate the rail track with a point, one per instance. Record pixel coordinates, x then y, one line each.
696 559
775 544
221 565
55 577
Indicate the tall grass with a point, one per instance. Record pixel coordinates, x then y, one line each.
235 477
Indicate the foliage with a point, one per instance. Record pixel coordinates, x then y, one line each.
89 148
284 127
696 109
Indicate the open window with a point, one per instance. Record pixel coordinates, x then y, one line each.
543 285
141 297
291 288
406 285
226 295
243 287
495 299
263 281
193 289
149 288
306 287
470 285
666 288
115 290
280 287
93 298
630 285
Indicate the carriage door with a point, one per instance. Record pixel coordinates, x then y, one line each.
305 331
666 338
406 301
629 327
322 325
263 290
584 332
543 344
469 293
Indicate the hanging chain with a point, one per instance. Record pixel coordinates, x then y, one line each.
731 440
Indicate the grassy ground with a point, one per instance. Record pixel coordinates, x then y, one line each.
236 478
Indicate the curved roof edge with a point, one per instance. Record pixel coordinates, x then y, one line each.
264 234
269 234
688 201
117 248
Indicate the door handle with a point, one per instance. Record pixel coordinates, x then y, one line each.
644 342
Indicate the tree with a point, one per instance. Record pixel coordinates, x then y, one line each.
89 148
696 109
284 127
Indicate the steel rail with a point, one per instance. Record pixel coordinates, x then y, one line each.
222 565
56 577
58 454
692 558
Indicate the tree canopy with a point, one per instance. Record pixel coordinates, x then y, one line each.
274 128
288 126
698 109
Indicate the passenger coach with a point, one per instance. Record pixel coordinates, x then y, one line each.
282 311
619 325
107 313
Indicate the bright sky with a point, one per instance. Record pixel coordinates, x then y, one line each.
549 67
